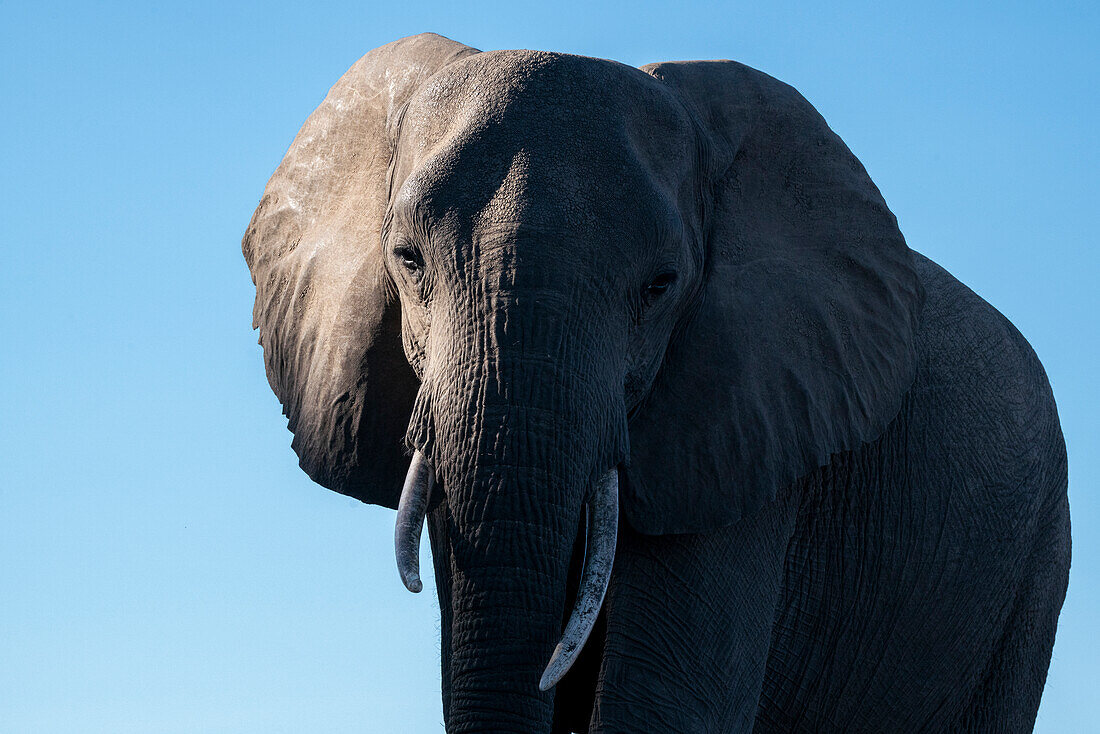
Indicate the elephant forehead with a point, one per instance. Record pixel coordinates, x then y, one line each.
576 121
465 192
526 85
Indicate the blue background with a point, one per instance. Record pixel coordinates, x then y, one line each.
164 564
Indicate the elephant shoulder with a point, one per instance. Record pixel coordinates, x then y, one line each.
961 331
981 399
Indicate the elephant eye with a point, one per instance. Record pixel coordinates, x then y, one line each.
659 286
410 258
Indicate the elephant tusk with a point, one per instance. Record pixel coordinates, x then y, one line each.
411 509
599 556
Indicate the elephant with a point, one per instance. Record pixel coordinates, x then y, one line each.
700 443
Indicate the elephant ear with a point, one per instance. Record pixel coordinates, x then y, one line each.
328 321
802 345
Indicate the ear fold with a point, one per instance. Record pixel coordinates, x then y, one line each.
802 345
329 327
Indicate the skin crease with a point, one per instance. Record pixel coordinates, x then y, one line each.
843 478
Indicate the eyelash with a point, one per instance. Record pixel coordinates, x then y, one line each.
648 296
659 286
410 258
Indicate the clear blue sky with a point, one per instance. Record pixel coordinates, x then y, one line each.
164 564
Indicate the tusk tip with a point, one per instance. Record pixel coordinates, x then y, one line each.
413 583
554 671
546 683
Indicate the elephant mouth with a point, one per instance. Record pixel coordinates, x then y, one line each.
601 506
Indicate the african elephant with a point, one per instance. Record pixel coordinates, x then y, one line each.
648 350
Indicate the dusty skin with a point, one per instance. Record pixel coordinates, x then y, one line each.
655 332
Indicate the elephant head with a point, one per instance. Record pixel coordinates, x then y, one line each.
559 282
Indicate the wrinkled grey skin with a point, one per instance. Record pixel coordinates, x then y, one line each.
843 482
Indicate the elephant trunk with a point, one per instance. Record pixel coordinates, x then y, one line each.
509 573
517 446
